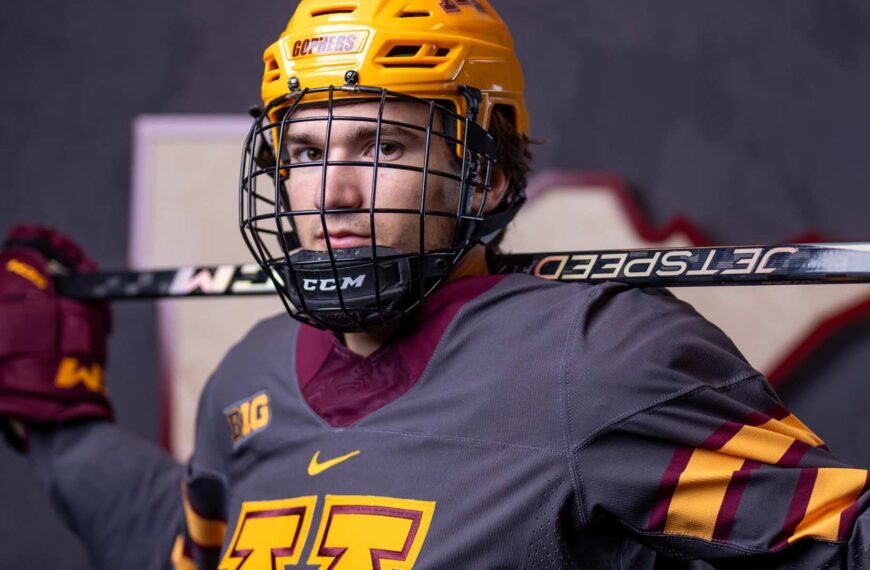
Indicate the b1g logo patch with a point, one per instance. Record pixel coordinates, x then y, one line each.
354 533
248 416
325 44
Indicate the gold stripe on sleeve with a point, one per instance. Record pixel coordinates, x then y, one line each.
834 491
700 492
792 426
204 532
758 444
179 560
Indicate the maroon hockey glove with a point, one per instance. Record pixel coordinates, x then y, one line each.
52 350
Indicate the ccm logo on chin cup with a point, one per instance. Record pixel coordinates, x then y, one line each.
330 285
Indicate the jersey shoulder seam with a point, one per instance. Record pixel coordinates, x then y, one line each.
577 477
649 407
565 420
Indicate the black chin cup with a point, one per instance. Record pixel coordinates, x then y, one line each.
356 290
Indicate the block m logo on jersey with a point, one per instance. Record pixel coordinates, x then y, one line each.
355 533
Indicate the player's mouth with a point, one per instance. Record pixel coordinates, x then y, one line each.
345 239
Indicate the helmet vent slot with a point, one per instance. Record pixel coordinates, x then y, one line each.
412 65
415 15
272 72
329 11
404 51
442 52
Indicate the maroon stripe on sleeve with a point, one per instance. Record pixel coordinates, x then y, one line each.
659 514
793 454
756 419
778 412
721 436
798 507
847 518
733 494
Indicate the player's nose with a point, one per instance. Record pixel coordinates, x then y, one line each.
344 186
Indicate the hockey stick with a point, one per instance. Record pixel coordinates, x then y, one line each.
667 267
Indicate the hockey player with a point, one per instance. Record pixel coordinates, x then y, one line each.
419 412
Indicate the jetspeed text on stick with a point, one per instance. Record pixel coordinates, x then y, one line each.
641 264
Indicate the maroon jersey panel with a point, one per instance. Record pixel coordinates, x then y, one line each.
343 387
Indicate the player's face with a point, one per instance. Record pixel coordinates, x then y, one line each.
351 186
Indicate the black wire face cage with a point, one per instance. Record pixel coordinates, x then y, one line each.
368 285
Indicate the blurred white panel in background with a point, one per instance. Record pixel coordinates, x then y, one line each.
185 212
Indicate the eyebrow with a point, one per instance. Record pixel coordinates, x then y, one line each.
359 132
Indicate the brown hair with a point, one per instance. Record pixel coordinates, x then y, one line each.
513 157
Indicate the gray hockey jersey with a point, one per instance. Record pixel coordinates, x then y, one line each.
553 426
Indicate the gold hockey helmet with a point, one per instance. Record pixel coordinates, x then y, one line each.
453 57
427 49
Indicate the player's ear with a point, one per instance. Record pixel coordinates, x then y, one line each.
499 182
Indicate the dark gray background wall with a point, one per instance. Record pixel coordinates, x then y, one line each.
748 117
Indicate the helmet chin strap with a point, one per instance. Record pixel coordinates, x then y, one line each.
472 264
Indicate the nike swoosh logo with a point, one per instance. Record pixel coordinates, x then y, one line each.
316 468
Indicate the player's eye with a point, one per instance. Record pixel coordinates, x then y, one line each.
308 154
387 150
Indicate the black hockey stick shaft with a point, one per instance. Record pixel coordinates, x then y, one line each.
787 264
